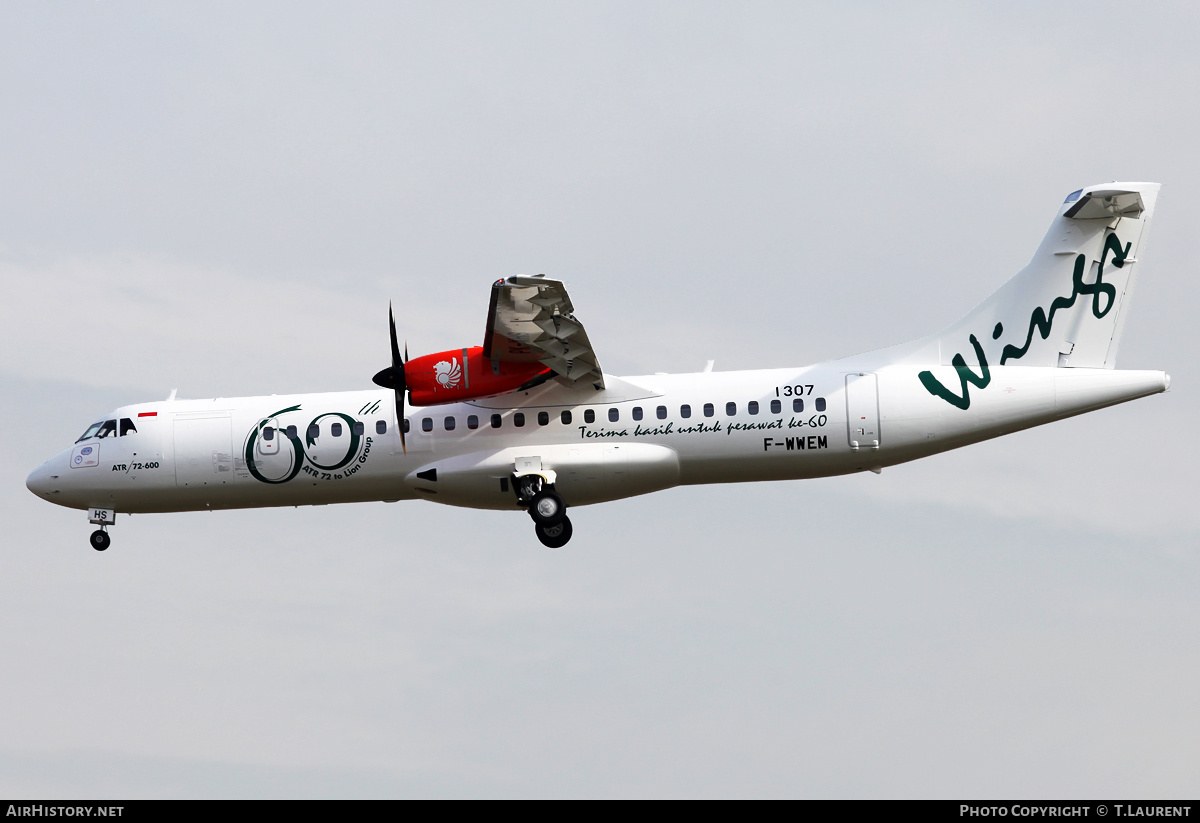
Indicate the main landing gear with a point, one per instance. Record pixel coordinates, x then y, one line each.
556 536
546 508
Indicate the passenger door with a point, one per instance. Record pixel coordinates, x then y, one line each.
862 411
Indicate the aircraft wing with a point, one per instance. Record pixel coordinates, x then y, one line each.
531 319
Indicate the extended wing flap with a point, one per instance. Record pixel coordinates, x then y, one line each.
558 328
574 370
531 319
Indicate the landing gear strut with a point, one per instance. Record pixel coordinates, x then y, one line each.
546 507
100 539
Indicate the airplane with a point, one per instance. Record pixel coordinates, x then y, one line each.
528 421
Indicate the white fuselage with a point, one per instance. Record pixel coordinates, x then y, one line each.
1041 348
637 435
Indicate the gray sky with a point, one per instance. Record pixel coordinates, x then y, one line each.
224 198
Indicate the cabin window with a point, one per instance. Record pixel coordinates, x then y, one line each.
450 424
268 434
496 421
314 431
127 427
661 411
709 411
589 416
776 407
685 411
427 424
637 412
335 429
752 407
381 427
613 415
359 429
820 404
730 409
519 419
472 421
543 418
91 432
797 405
407 426
291 432
566 418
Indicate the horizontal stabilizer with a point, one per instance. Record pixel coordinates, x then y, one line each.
1105 205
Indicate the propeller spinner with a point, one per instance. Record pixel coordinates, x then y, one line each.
393 377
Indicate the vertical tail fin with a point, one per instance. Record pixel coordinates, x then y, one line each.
1068 307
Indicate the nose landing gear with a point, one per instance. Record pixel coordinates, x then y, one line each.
545 507
102 518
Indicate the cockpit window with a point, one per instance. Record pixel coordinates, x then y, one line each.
127 427
91 431
108 427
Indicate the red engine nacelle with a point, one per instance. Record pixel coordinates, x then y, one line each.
463 374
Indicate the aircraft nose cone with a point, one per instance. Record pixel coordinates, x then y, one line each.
40 481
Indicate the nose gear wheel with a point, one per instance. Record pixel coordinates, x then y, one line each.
100 540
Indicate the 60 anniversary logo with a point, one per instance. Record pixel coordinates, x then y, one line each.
357 448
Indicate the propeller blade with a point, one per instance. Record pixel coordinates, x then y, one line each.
400 419
393 376
397 363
